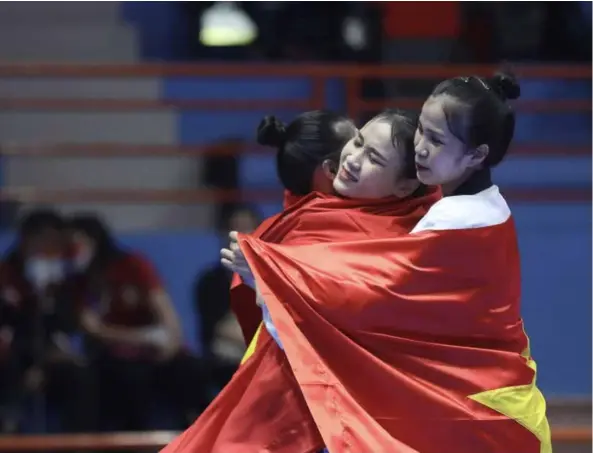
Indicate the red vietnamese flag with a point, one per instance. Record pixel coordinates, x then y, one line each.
262 409
290 199
415 343
320 218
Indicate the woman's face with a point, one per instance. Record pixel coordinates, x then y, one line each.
441 157
44 254
83 249
369 163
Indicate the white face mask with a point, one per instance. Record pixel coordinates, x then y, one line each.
44 271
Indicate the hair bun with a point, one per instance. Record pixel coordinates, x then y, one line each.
271 132
505 84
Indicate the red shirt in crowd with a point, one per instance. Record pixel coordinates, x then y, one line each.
122 298
127 284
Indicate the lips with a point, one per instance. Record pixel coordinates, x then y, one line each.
421 167
345 175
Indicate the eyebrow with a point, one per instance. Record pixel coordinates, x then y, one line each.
436 134
375 152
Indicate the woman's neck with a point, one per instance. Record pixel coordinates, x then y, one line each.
469 184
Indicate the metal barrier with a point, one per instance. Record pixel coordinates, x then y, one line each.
158 439
318 74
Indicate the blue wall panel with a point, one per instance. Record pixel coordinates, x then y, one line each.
202 127
554 128
544 171
162 28
555 242
234 88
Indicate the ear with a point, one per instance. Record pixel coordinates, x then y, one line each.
330 169
478 155
406 187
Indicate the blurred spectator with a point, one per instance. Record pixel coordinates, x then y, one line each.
134 335
221 171
220 335
294 31
519 29
527 31
8 213
37 320
567 32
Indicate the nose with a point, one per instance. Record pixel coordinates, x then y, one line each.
421 153
353 161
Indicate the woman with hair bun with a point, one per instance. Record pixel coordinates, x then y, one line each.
262 408
415 343
307 149
307 155
465 129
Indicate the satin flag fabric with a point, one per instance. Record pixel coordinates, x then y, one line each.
412 344
262 409
320 218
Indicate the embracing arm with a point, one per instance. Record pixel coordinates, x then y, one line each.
233 259
409 283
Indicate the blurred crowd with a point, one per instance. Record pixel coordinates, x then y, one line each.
371 31
88 332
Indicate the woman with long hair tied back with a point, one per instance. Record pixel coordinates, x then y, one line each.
263 408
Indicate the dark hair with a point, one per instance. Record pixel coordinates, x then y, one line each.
39 220
403 127
304 144
92 226
480 114
238 208
33 223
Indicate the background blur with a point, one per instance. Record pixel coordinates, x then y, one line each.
144 114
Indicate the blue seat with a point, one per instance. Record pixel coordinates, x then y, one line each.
554 128
258 171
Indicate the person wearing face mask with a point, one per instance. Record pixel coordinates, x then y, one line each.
262 406
430 321
133 335
39 324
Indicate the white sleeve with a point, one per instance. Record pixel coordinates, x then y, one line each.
268 323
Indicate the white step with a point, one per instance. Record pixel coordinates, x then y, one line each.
14 12
102 173
138 218
147 172
140 88
108 173
150 217
157 128
69 43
